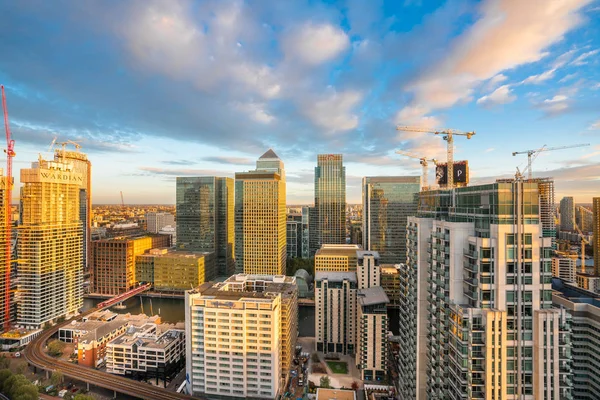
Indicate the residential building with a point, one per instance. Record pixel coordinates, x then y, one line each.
294 239
81 165
588 282
306 238
335 312
241 335
5 239
387 203
368 271
113 261
564 266
390 282
156 221
330 199
596 234
336 257
477 286
175 271
567 214
205 218
50 244
260 217
372 330
584 307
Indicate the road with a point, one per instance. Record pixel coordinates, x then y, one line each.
36 356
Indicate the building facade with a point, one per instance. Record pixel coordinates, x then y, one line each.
205 218
390 282
241 336
50 244
564 266
372 330
294 239
6 299
306 232
114 262
330 199
368 270
260 217
387 203
482 310
336 257
596 234
567 214
155 221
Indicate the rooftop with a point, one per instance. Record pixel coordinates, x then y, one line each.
371 296
338 249
241 286
335 394
269 154
335 276
363 253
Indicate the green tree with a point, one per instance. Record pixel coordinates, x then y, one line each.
4 362
56 378
55 348
4 375
325 382
26 392
83 397
11 385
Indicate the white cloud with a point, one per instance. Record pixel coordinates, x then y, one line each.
581 60
508 34
502 95
555 105
595 125
567 78
257 111
493 83
315 44
333 111
489 150
539 78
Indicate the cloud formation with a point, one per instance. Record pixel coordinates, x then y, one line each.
502 95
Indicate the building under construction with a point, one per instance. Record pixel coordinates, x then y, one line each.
5 236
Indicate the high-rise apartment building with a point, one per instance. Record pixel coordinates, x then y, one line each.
5 239
387 203
564 266
330 199
155 221
596 234
260 217
306 232
337 257
82 165
205 218
50 244
368 270
476 298
241 335
372 331
567 214
113 261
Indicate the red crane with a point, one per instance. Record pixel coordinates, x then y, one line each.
10 153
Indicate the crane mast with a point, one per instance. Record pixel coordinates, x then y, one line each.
534 153
424 164
10 153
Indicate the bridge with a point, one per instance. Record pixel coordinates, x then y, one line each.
36 356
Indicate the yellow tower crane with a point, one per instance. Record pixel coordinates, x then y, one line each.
532 155
424 161
449 138
584 241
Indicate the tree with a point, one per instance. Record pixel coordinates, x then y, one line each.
55 348
4 375
354 385
83 397
4 362
13 384
26 392
56 377
325 382
21 367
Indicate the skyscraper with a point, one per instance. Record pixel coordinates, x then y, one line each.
260 217
387 203
596 234
5 238
50 244
205 218
476 298
567 214
330 199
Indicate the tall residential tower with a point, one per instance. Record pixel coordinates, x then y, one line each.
596 235
567 214
5 239
330 199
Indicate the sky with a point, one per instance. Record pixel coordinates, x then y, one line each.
153 90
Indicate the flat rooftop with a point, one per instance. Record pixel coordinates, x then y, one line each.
241 286
334 276
371 296
335 394
348 250
574 293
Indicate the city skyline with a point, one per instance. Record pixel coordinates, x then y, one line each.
339 76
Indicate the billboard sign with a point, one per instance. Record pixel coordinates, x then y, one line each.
461 173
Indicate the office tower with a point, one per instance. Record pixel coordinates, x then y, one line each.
567 214
390 282
336 257
335 311
356 232
175 271
306 232
260 220
368 271
564 266
330 199
313 227
584 307
83 166
372 326
240 336
5 239
478 275
113 261
50 244
547 208
387 202
156 221
205 218
596 234
294 239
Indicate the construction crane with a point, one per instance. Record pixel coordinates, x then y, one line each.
448 137
10 153
424 161
532 155
64 148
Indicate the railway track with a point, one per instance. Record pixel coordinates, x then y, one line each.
37 357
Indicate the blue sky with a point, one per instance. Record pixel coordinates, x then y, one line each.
158 89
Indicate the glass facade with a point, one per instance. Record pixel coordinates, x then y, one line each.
330 199
387 203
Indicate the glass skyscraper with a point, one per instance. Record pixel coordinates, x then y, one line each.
330 200
387 203
205 218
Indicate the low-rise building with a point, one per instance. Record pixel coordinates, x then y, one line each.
588 282
336 257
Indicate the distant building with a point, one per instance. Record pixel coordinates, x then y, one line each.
155 221
564 266
294 239
567 214
311 217
330 199
356 232
387 203
390 282
113 261
596 237
589 282
241 336
306 237
170 231
205 218
260 217
336 257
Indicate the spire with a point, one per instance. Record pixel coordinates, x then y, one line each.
269 154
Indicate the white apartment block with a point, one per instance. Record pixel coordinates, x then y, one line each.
565 267
240 336
372 343
156 221
368 270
